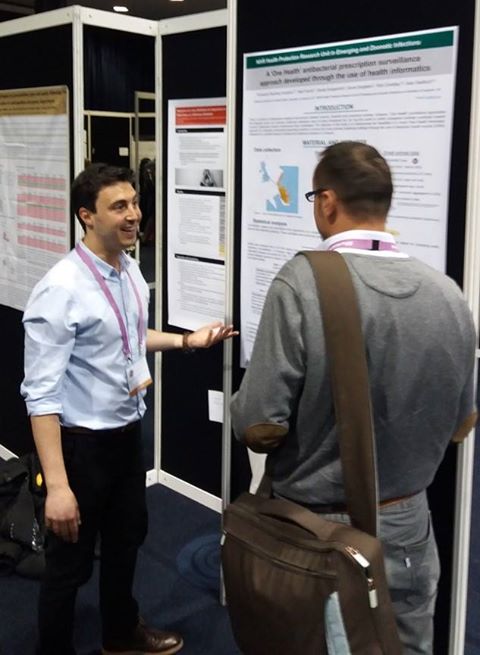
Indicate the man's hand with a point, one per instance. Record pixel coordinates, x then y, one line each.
210 334
62 515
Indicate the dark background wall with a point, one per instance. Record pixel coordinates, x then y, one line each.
116 64
263 26
194 66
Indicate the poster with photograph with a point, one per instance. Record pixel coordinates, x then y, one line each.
196 211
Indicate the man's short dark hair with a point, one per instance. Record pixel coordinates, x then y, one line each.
360 177
87 185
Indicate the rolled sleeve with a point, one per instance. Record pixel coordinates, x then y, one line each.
49 340
271 385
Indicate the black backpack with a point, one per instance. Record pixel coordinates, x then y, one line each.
22 529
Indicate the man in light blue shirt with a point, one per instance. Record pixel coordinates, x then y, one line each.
86 339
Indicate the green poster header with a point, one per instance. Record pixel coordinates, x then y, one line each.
362 48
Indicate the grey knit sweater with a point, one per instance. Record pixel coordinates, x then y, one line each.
420 348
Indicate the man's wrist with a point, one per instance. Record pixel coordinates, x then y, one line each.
57 485
185 343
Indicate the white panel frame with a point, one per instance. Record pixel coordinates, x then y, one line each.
37 22
5 453
471 289
229 249
202 21
140 95
157 400
78 102
120 22
190 491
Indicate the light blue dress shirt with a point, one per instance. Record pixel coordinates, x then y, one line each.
74 364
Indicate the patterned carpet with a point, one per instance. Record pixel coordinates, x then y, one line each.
177 585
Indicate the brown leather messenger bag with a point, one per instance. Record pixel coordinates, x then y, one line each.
296 583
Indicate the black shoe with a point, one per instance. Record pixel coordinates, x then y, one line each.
144 641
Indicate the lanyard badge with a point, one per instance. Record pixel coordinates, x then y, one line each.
138 376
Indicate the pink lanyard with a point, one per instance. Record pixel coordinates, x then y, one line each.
365 244
123 330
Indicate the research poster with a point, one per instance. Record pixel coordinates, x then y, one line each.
196 211
34 188
393 92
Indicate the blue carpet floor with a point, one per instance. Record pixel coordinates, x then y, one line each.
177 585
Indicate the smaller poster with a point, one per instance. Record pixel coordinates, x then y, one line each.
34 188
196 211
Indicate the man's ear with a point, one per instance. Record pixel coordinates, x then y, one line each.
85 216
330 201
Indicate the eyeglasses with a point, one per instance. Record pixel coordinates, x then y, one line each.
310 196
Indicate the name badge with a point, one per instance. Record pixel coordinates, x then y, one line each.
138 376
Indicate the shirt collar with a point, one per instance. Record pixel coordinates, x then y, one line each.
357 234
106 269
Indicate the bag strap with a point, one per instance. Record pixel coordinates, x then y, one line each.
349 383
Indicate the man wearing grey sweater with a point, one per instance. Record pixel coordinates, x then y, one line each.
420 343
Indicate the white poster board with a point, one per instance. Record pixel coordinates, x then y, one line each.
34 188
393 92
196 211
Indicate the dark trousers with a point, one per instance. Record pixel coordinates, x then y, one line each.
106 473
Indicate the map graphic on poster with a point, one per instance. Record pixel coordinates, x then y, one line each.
279 185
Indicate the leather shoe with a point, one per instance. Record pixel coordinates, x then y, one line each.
145 641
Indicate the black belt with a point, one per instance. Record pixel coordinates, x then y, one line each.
78 429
